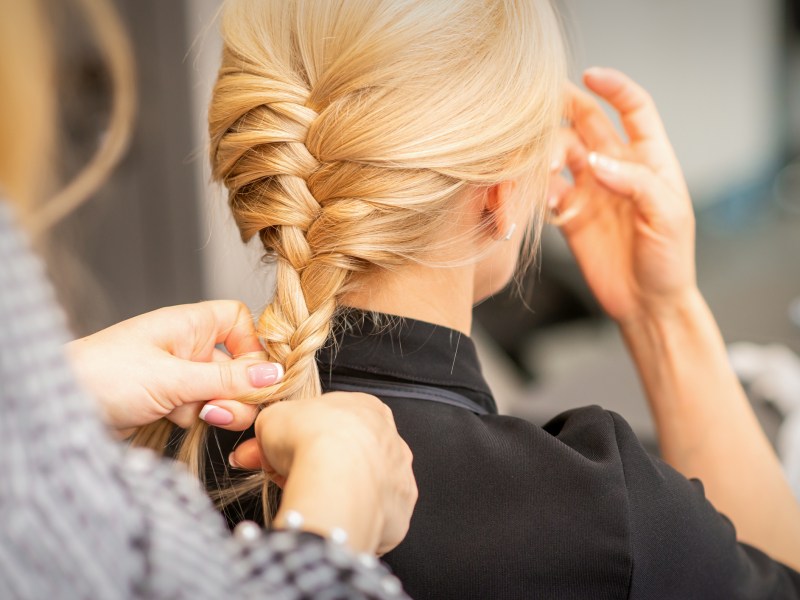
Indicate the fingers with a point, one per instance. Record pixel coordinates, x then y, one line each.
225 414
191 331
649 143
635 182
637 111
590 122
570 152
233 326
225 379
185 416
247 455
229 414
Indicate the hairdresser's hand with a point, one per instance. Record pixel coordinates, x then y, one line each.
341 463
166 364
628 217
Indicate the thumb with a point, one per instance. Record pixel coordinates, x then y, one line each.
227 379
249 455
221 381
630 180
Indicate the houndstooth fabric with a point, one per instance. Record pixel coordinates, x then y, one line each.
83 517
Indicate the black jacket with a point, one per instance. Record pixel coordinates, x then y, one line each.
508 509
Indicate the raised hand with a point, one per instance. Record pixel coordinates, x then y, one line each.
627 214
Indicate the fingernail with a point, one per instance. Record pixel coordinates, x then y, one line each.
594 71
232 461
603 163
552 202
214 415
555 165
264 374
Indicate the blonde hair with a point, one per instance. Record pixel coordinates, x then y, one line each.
27 103
346 130
28 115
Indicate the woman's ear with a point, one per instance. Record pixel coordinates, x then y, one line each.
498 210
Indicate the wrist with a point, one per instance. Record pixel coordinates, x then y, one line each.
334 486
682 361
679 311
665 339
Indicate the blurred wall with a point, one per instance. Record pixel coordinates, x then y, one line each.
134 245
712 66
230 269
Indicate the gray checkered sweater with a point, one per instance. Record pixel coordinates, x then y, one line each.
83 517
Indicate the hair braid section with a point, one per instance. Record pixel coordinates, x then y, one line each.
259 152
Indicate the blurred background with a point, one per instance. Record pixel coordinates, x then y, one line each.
724 73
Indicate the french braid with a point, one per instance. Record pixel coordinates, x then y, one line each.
345 132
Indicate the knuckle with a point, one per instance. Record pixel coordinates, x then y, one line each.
386 411
646 99
182 417
414 492
235 306
261 419
356 397
408 455
226 379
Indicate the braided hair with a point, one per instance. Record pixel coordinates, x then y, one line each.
346 132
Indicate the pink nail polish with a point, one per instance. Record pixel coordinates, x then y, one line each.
264 374
214 415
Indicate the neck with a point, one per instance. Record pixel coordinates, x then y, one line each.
442 296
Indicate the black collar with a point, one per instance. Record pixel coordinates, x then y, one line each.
391 348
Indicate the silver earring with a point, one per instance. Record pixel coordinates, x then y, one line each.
511 231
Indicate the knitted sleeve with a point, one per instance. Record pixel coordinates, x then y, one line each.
81 516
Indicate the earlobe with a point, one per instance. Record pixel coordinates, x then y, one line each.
497 208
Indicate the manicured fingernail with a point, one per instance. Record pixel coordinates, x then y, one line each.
555 165
232 461
264 374
603 163
552 202
214 415
594 71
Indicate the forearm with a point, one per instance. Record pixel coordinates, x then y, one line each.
707 428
